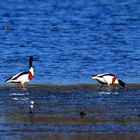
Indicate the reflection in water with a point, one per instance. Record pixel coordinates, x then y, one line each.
18 94
23 98
69 112
20 97
109 91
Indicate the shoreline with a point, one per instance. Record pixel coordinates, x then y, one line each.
72 86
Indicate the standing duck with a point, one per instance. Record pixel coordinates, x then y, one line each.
23 77
108 79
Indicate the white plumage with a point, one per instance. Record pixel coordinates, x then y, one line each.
23 77
107 78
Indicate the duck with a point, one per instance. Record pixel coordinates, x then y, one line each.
23 77
108 79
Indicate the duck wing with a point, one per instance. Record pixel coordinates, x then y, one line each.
17 75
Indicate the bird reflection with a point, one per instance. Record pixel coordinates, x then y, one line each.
23 98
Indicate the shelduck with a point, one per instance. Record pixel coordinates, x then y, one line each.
108 79
23 77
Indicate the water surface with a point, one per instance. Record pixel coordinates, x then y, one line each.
70 40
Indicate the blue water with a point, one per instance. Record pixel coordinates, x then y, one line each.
70 40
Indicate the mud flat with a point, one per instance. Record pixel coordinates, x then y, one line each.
72 112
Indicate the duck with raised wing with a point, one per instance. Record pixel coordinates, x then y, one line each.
23 77
108 79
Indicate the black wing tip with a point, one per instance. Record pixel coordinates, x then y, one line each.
109 74
8 79
103 74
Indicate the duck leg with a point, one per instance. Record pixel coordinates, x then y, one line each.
102 86
21 86
108 85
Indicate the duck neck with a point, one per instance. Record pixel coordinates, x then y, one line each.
31 70
30 63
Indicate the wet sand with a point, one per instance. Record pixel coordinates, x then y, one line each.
82 137
70 112
66 86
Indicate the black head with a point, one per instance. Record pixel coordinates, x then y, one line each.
31 58
30 61
122 84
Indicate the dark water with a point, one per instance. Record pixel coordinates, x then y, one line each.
70 40
109 113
